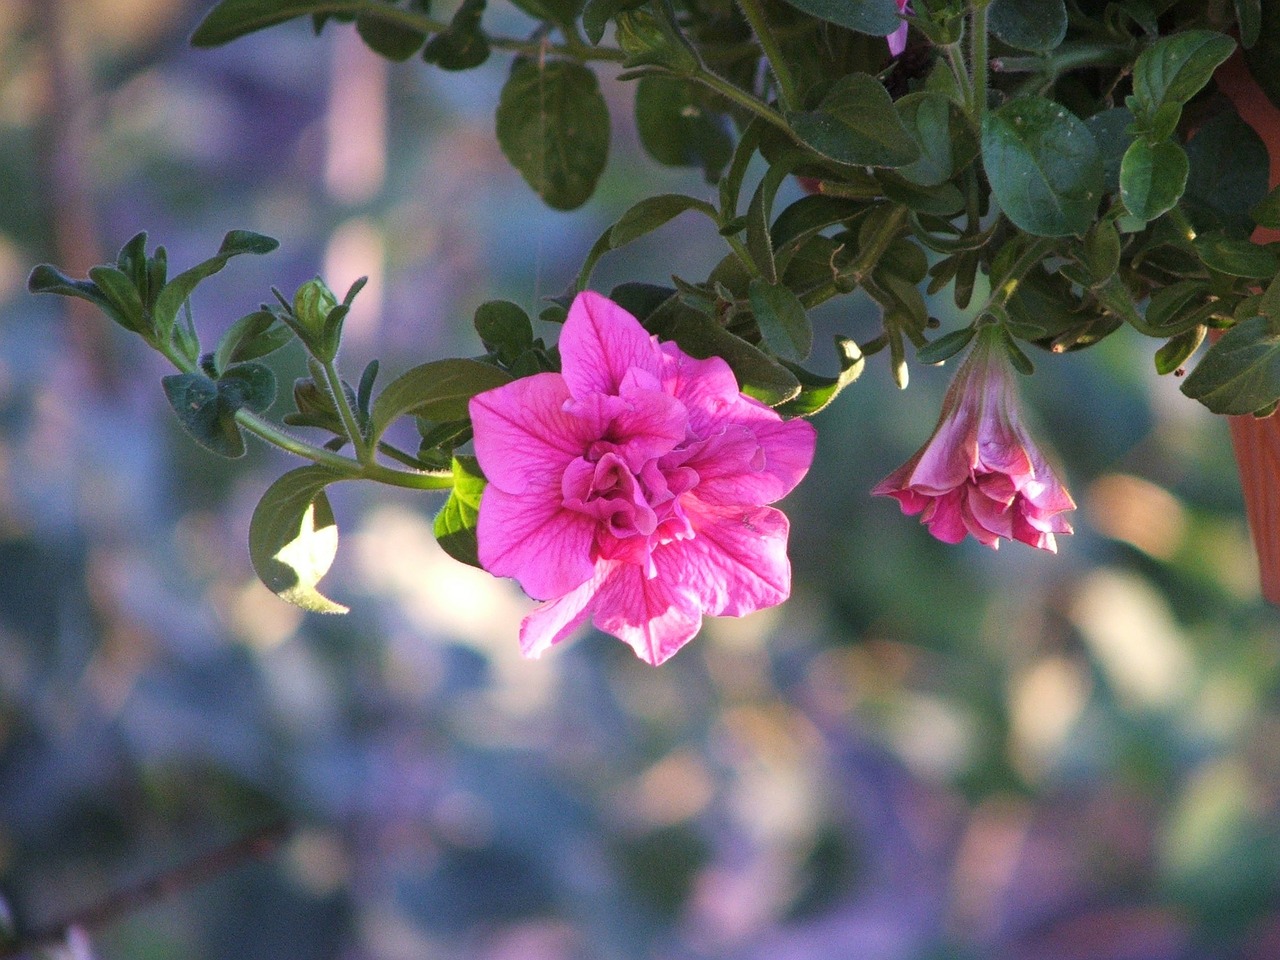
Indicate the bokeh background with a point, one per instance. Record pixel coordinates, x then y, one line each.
931 752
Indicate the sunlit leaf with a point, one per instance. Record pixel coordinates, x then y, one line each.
293 538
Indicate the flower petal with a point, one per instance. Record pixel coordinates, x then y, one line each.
532 538
524 437
656 617
754 464
737 563
600 342
555 621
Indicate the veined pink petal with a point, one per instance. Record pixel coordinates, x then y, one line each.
655 616
531 537
638 427
754 464
557 620
944 516
600 342
737 563
707 388
523 436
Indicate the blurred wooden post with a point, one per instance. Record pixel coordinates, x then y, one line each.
1257 442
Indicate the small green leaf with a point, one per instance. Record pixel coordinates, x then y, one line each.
464 45
597 14
1266 212
179 289
235 18
653 212
253 335
388 38
293 538
455 524
677 129
879 18
1044 167
204 414
439 390
946 139
1178 350
1102 250
249 385
817 392
784 324
504 329
946 346
47 278
1240 374
1236 258
1174 68
1037 25
553 126
1110 132
855 123
1152 177
123 296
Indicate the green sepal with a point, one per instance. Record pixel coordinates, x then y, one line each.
455 524
293 538
1240 374
946 346
649 39
464 45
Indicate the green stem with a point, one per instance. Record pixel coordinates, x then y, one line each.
978 60
952 53
754 13
742 99
364 454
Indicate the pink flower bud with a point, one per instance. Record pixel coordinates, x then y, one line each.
981 473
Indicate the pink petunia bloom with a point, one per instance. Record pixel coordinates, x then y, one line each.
631 488
980 472
898 39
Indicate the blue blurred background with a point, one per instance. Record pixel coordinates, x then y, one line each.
930 753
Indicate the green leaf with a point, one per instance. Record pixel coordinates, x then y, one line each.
553 126
47 278
946 346
1174 68
784 324
249 385
1265 53
204 414
653 212
855 123
122 295
560 12
455 524
1178 350
597 14
760 213
1044 167
1037 25
1228 177
253 335
235 18
1266 212
879 18
677 129
388 38
1152 177
464 45
649 39
438 390
1110 133
1249 19
817 392
1240 374
1102 250
1236 258
177 290
504 328
946 140
293 538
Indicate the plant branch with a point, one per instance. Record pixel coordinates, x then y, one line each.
754 13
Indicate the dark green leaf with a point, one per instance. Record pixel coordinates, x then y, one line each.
177 290
876 17
1178 350
946 140
455 524
640 299
253 335
855 123
1102 249
234 18
464 45
249 385
653 212
817 392
1265 53
1239 374
504 329
204 414
760 213
946 346
944 200
1236 258
553 126
1110 132
293 538
1228 175
784 324
1029 24
677 129
560 12
438 390
123 296
47 278
807 216
1043 165
388 38
1152 177
1249 19
597 13
1174 68
1266 212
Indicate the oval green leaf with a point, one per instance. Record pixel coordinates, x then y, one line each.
438 391
1174 68
1240 373
1152 177
856 123
1029 24
293 538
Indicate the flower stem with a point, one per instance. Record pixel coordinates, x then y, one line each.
364 454
978 60
754 13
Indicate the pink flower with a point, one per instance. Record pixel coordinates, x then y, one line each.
630 488
980 472
898 39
